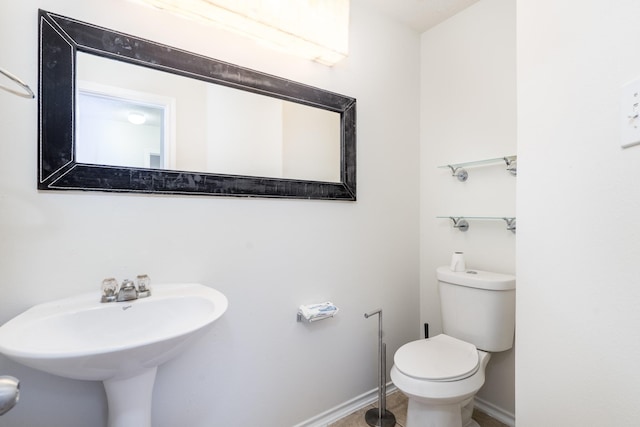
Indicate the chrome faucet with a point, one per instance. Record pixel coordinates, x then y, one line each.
128 291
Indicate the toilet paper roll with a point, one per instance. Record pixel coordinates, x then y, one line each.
313 312
457 262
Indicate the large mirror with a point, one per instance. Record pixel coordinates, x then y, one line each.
120 113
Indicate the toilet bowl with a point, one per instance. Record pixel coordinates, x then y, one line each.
440 376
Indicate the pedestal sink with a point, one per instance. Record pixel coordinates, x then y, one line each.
118 343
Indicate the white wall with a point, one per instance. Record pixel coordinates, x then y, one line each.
244 132
578 208
468 103
268 256
305 152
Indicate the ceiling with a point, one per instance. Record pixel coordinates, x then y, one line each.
419 14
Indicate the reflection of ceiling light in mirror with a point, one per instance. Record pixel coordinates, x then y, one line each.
313 29
136 118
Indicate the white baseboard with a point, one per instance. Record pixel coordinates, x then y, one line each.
338 412
495 412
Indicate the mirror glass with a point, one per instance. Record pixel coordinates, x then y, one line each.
130 115
119 113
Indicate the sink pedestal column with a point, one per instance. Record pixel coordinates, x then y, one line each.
129 399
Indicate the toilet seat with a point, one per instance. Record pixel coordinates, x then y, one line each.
441 358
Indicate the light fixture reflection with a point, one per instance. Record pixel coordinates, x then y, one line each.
313 29
136 118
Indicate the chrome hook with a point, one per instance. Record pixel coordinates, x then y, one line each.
26 93
9 393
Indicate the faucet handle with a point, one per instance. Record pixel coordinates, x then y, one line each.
143 282
109 290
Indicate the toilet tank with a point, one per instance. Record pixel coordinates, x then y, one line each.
478 307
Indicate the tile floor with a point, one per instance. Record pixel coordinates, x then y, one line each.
397 404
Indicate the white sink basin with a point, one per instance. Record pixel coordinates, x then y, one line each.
81 338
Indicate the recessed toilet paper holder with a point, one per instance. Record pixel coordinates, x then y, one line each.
314 312
300 318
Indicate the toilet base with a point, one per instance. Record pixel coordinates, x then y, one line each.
372 417
420 414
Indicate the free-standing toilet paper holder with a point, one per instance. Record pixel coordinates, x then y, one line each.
380 417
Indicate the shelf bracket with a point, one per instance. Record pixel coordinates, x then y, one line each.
460 223
511 224
459 173
512 165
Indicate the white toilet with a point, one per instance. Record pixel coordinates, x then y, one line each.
441 375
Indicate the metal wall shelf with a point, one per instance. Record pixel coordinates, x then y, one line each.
462 223
458 169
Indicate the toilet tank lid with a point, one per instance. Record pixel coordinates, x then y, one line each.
477 279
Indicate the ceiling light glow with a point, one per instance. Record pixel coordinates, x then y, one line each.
313 29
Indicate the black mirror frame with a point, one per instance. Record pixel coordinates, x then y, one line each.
60 38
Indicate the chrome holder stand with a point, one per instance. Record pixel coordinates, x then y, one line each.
380 417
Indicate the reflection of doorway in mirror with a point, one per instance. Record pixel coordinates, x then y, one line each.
121 127
155 161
